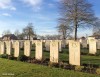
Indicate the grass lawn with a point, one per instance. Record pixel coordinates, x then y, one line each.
21 69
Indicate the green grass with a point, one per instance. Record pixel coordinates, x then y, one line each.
22 69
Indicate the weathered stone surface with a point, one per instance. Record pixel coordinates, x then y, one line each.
8 47
54 51
92 46
98 44
74 52
2 47
16 49
39 50
27 48
89 38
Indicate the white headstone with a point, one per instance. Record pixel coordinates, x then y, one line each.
17 49
92 46
2 47
54 51
89 38
39 51
27 48
74 52
8 46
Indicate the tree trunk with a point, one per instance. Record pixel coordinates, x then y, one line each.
75 36
75 21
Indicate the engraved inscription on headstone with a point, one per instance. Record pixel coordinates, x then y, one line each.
74 52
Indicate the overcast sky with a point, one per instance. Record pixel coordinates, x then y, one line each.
44 14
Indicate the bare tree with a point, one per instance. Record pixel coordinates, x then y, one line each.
52 37
64 31
96 28
17 33
76 13
28 31
6 32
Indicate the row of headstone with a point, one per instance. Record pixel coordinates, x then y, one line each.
53 45
54 49
93 43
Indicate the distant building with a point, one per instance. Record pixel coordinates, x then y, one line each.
96 36
9 37
82 39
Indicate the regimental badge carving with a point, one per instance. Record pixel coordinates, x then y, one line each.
92 40
74 45
53 44
38 43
